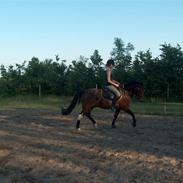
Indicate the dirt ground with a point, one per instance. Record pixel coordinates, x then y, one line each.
40 146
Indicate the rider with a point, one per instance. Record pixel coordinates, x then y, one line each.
112 84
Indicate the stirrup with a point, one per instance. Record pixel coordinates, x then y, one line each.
113 106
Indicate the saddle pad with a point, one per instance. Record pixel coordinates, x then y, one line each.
107 94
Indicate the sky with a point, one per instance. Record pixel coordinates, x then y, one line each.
70 28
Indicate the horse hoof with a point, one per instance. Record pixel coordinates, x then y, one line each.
113 126
96 125
134 125
78 129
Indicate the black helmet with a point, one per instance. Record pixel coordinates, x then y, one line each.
110 62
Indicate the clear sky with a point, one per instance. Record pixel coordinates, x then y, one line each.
71 28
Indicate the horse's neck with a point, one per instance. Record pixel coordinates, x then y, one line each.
128 91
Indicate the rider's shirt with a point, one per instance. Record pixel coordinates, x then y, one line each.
107 71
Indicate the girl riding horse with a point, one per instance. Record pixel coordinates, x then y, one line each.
91 98
112 85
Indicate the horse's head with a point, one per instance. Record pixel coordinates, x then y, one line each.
135 88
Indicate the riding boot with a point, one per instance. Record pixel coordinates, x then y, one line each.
113 107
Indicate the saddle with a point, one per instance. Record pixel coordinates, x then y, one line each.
107 94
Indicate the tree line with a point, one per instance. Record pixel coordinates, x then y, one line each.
162 76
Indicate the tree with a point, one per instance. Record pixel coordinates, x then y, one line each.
146 69
172 67
78 77
96 68
122 56
58 76
35 75
12 79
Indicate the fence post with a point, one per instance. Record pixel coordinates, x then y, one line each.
165 107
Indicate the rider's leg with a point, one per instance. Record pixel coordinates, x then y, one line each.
115 100
116 93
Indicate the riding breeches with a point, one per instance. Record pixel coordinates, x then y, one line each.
114 90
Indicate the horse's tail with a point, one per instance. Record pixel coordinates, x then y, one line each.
76 99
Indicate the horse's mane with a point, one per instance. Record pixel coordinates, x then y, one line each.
132 83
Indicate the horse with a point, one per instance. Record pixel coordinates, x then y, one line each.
93 97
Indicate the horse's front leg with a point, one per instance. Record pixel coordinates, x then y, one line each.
115 117
133 117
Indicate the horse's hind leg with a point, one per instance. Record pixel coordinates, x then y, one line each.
80 116
93 121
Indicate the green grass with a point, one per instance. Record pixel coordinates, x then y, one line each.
158 108
55 102
34 102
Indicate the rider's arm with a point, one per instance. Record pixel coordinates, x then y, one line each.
116 82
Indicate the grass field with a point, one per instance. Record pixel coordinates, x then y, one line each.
158 108
34 102
55 102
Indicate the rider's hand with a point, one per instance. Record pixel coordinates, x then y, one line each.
121 86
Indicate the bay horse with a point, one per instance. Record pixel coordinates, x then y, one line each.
91 98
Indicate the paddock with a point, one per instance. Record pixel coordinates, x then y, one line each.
44 146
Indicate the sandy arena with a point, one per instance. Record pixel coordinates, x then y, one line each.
41 146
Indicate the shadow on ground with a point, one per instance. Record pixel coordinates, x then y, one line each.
43 146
